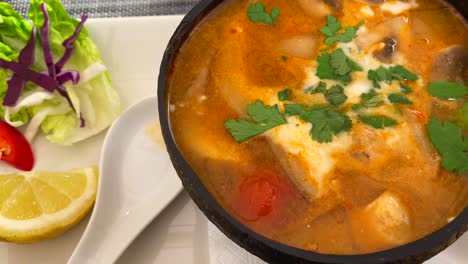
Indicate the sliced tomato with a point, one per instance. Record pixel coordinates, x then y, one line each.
260 195
14 148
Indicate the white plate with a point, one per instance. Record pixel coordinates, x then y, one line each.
132 49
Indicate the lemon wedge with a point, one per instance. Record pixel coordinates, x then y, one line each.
36 206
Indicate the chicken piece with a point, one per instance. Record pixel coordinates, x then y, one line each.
386 222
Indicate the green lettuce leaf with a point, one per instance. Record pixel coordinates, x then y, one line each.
94 96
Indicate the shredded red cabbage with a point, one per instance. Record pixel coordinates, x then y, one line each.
45 35
66 76
16 83
54 78
22 71
68 44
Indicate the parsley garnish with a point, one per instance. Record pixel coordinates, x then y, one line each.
449 141
447 90
372 99
378 122
264 117
331 31
257 13
284 58
399 99
284 95
325 122
336 66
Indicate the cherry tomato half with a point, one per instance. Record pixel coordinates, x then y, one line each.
260 195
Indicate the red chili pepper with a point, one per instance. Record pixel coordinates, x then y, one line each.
14 148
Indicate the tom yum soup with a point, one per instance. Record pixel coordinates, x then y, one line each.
332 126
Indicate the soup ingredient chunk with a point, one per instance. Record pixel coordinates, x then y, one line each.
384 222
41 205
260 194
451 64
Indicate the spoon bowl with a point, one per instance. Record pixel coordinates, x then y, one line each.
137 181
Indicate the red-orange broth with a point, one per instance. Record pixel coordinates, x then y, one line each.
378 188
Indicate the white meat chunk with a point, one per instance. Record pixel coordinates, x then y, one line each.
383 223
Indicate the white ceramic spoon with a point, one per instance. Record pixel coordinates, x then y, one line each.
137 181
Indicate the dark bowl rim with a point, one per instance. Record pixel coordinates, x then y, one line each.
267 249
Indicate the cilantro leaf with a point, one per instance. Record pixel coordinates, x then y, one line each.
275 13
354 66
294 109
405 89
447 90
284 95
356 107
262 113
378 121
332 26
372 75
325 70
339 62
331 31
265 117
401 73
462 116
372 99
257 13
384 74
448 139
242 130
321 88
336 66
325 122
388 75
399 99
335 95
345 37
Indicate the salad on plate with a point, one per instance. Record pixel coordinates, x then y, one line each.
52 81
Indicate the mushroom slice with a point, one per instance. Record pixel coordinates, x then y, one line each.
386 222
390 28
385 54
451 64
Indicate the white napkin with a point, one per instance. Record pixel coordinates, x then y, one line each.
223 251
